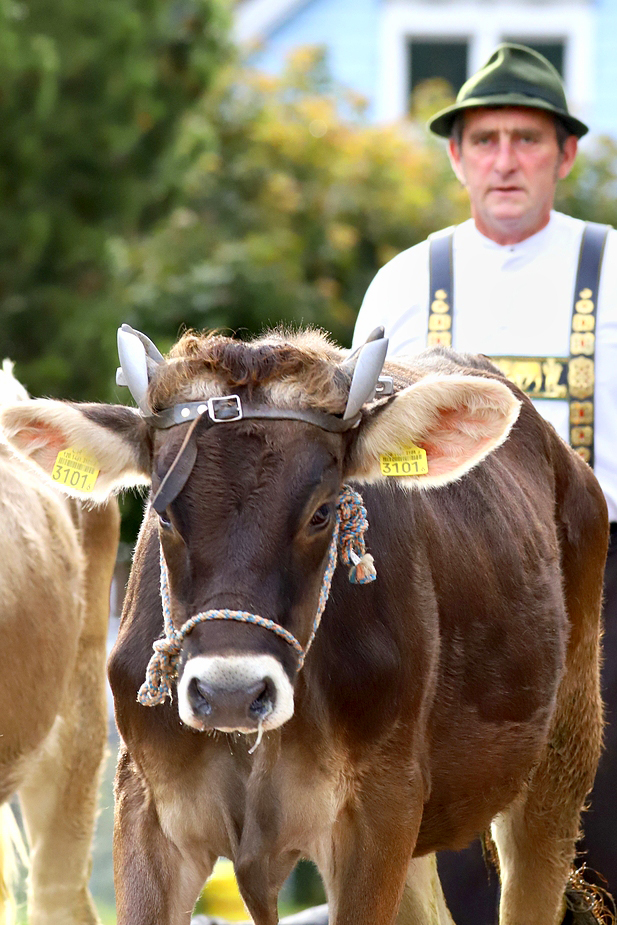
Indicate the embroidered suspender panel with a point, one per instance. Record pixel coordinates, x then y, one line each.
581 368
567 378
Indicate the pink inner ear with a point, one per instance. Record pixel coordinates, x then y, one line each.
41 441
444 458
39 434
459 436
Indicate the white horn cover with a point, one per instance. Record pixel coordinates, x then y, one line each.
134 350
368 366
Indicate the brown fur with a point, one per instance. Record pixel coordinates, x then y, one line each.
305 361
458 690
57 562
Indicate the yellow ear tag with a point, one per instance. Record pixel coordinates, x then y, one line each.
410 461
75 469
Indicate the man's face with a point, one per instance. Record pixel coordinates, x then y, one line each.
509 161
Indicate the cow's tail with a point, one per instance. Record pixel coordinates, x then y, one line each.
12 849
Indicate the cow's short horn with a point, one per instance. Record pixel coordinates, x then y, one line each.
138 357
367 363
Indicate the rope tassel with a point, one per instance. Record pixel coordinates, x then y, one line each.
352 548
363 569
348 535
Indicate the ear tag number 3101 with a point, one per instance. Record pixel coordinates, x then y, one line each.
75 469
410 461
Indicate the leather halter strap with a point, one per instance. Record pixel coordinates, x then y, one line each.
223 410
227 408
176 476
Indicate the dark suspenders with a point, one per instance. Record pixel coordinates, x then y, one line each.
441 290
581 367
572 377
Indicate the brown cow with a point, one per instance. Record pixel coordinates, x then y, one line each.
458 690
56 564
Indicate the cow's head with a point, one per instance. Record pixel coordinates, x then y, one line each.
246 447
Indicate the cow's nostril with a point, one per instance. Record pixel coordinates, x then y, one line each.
200 695
263 704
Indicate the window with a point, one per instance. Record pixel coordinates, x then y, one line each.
445 59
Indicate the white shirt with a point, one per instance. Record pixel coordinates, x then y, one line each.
510 300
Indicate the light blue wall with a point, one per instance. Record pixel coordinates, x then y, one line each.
605 109
348 28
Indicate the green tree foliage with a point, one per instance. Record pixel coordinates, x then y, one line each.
590 192
91 94
290 206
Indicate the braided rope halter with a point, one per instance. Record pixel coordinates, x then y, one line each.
348 536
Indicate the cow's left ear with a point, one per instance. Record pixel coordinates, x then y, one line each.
455 420
88 450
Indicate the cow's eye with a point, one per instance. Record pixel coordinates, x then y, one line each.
321 517
164 521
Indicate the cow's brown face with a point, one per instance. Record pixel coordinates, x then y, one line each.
250 531
249 528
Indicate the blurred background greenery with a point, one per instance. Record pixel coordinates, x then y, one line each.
92 99
147 175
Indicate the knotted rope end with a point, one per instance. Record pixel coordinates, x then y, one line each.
148 696
363 571
160 673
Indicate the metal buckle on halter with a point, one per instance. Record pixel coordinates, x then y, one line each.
224 408
385 386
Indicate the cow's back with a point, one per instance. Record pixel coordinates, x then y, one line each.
519 636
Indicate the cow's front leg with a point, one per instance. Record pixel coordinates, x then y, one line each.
423 900
58 802
260 883
155 882
372 844
59 794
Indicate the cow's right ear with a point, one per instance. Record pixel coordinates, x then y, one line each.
111 438
452 422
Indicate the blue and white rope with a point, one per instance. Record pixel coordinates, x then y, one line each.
351 525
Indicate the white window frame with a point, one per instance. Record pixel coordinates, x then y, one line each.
483 25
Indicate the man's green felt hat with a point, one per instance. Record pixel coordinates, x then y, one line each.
513 76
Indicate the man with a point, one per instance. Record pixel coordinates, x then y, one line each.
504 284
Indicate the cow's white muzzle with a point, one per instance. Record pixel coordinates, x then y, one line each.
235 693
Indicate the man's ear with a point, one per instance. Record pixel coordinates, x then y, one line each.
455 420
454 153
567 157
112 439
